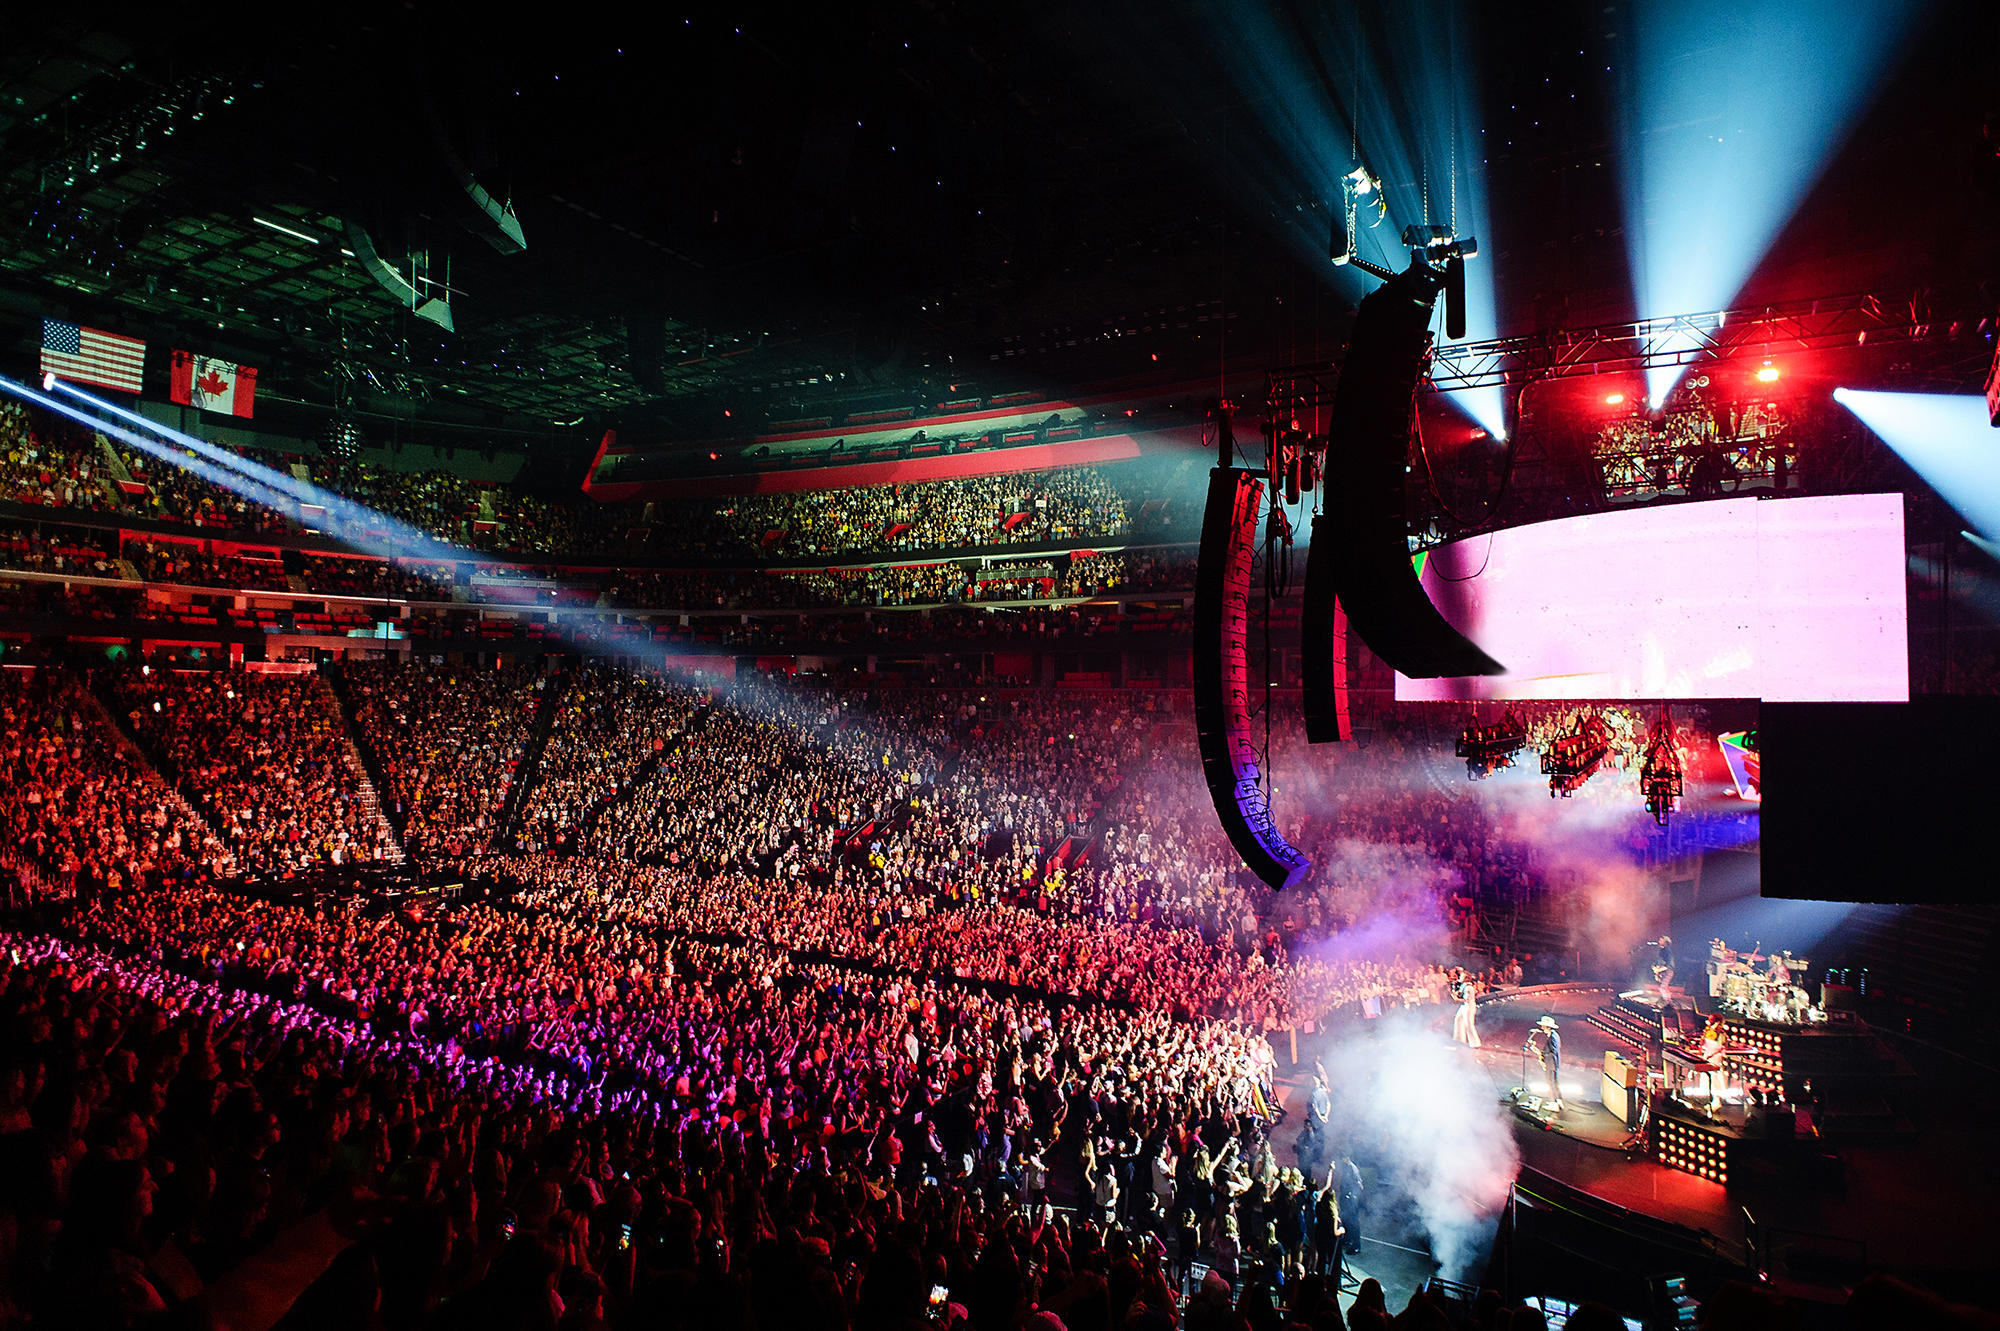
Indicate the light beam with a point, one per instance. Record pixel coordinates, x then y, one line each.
362 527
1948 440
1732 110
1318 75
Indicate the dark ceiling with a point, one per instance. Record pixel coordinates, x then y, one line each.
765 212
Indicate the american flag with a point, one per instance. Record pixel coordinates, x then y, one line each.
90 356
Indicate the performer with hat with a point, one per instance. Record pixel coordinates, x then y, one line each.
1550 1040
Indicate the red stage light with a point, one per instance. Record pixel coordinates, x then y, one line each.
1614 399
1767 373
1478 434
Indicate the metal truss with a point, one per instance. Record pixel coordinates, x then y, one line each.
1808 325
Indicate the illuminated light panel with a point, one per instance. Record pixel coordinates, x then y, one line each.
1614 399
1767 373
1631 604
1947 438
1734 112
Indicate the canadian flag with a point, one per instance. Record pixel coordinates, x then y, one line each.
211 384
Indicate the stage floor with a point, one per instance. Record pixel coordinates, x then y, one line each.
1904 1206
1889 1205
1583 1146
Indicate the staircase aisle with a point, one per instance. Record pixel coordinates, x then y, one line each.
366 793
554 690
91 704
595 814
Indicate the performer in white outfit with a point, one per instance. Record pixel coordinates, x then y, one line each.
1463 1023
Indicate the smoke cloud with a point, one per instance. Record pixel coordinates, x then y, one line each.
1590 847
1421 1118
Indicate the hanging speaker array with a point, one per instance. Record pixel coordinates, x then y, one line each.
1221 673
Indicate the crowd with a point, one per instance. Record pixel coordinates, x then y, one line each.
473 514
173 493
180 562
1085 574
215 1120
377 577
263 756
70 600
88 813
838 984
918 830
40 548
1012 509
926 828
449 746
63 467
608 723
48 461
213 1114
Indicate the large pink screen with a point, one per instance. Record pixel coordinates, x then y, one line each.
1794 600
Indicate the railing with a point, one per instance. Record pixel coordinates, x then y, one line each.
1804 1255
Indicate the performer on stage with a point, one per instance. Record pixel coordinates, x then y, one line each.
1550 1039
1463 1022
1663 966
1346 1182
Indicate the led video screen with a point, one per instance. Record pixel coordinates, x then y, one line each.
1794 600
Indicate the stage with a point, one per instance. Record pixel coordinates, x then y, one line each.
1814 1215
1814 1212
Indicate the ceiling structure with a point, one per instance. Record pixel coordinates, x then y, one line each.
736 219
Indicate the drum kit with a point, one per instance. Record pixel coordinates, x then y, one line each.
1761 987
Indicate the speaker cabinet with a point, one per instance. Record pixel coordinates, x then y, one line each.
1360 552
1229 760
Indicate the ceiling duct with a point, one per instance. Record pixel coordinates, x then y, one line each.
503 229
435 308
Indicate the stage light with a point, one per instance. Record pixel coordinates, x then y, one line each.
1767 373
1947 439
1978 542
1734 111
1660 776
1488 749
1419 158
1614 399
1571 758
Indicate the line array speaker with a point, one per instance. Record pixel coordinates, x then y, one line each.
1221 677
1323 658
1361 550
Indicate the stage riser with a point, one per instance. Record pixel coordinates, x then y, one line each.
1620 1021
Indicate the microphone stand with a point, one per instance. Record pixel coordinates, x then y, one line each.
1522 1092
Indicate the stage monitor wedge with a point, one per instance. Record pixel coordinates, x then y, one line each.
1229 760
1361 549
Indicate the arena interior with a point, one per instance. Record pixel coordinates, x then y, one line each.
1031 668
